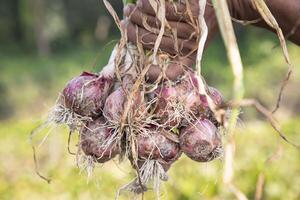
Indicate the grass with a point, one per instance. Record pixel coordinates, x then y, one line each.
188 179
32 82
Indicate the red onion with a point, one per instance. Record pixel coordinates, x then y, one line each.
114 104
187 84
157 146
167 95
85 94
97 141
166 92
200 141
215 95
194 103
178 101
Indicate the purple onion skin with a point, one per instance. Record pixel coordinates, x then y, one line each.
200 141
86 94
195 103
92 141
187 85
185 94
157 146
163 109
114 105
164 95
215 95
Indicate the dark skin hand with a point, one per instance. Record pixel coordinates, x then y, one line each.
286 12
178 19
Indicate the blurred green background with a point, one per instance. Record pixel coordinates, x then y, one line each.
44 43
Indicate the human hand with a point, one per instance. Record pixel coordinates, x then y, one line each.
141 19
148 25
286 12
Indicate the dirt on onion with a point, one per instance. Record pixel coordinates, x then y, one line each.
98 141
201 141
85 94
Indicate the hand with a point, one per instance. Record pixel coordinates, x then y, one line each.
143 15
286 12
142 19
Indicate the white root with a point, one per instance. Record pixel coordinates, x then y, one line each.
150 172
203 35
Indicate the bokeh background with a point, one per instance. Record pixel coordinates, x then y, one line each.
44 43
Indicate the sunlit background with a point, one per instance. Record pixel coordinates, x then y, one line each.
44 43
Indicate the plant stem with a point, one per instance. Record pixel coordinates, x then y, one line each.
234 57
203 35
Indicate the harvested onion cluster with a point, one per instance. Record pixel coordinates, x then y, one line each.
151 124
136 108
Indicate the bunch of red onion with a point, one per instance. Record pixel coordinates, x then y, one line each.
150 123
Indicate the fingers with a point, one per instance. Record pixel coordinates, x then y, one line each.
153 73
176 68
148 39
174 11
183 30
173 71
